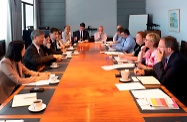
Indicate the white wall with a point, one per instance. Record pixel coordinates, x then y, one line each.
159 10
93 13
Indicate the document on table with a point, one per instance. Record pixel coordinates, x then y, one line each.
112 53
40 82
120 60
149 93
70 48
115 66
143 99
148 80
11 120
24 99
129 86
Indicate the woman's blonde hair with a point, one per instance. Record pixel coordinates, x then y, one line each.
154 38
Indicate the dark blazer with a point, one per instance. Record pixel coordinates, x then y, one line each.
54 49
33 61
85 35
173 77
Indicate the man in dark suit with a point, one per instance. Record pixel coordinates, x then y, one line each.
169 67
35 57
53 40
81 34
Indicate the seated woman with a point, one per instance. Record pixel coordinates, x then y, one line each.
140 41
146 59
13 71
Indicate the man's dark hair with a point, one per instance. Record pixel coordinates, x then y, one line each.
171 42
52 30
126 31
82 25
14 50
120 30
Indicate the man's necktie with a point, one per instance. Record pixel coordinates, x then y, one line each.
40 53
81 36
165 64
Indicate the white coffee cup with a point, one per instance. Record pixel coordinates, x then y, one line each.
76 52
125 74
54 64
53 77
37 104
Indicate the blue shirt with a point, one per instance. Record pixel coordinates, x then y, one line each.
117 39
127 45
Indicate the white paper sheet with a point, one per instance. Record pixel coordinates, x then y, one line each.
149 93
40 82
148 80
129 86
134 79
112 53
120 60
115 66
24 99
11 120
70 48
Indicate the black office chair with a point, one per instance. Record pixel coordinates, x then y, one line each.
183 48
2 49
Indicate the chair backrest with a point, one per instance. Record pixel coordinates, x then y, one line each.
2 48
6 87
183 48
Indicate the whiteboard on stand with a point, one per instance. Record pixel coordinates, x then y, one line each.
137 23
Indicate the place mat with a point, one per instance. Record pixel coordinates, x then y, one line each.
166 119
25 119
180 110
61 68
45 96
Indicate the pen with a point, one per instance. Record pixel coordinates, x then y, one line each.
29 97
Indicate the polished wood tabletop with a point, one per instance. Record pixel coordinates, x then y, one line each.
87 93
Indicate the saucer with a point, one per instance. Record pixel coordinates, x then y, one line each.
54 82
54 66
36 110
125 81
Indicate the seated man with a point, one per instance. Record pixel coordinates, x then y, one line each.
35 57
128 43
117 37
140 41
100 35
54 41
168 68
66 36
81 34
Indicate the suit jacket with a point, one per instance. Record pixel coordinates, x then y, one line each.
173 77
34 61
54 49
11 76
85 35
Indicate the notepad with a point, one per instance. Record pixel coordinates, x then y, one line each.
146 80
24 99
163 102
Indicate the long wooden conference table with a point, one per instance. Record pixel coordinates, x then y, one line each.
87 93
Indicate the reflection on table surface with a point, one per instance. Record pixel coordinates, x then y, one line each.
88 93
